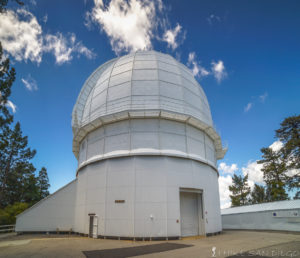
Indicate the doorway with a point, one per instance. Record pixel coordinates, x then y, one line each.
93 225
191 213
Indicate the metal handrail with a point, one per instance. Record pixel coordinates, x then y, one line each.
7 228
3 226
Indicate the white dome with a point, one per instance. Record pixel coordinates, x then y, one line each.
141 84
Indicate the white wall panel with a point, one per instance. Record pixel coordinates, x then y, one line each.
262 220
170 141
145 88
54 212
145 140
119 91
138 75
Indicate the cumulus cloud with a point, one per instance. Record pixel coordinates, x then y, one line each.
224 183
63 47
248 107
276 146
218 70
227 169
195 66
11 105
30 83
170 36
129 25
22 37
255 175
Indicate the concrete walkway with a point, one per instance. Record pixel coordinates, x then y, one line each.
227 244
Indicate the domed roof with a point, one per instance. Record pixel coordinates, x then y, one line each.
141 84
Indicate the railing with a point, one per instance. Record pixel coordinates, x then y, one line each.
7 228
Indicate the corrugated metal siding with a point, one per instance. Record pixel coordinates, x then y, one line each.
280 205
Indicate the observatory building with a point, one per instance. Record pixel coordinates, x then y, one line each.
147 151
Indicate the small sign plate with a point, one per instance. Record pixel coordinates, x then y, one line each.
119 201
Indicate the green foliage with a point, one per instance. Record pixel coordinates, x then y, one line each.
274 169
43 183
16 170
289 135
258 194
7 77
8 215
240 190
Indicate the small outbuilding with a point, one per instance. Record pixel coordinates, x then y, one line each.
281 215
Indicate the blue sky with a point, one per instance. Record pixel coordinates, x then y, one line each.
245 55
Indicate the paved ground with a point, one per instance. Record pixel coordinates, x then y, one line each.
228 244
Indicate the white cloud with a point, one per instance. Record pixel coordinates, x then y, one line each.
276 146
196 68
255 175
129 25
224 183
293 172
30 83
171 35
226 169
248 107
12 106
213 18
64 47
218 70
263 97
45 18
22 37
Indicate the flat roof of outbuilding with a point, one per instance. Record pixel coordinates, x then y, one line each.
269 206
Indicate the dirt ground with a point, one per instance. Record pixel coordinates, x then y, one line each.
228 244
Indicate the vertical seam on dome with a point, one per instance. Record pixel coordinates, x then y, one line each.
92 96
182 91
158 81
106 97
130 108
133 61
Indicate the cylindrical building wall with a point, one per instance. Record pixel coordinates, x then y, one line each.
149 188
148 137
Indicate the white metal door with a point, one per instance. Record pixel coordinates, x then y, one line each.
189 214
95 227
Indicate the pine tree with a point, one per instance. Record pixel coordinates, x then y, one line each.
289 135
15 165
274 169
7 77
240 190
43 183
258 194
31 193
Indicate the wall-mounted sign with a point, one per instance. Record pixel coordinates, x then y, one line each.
119 201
